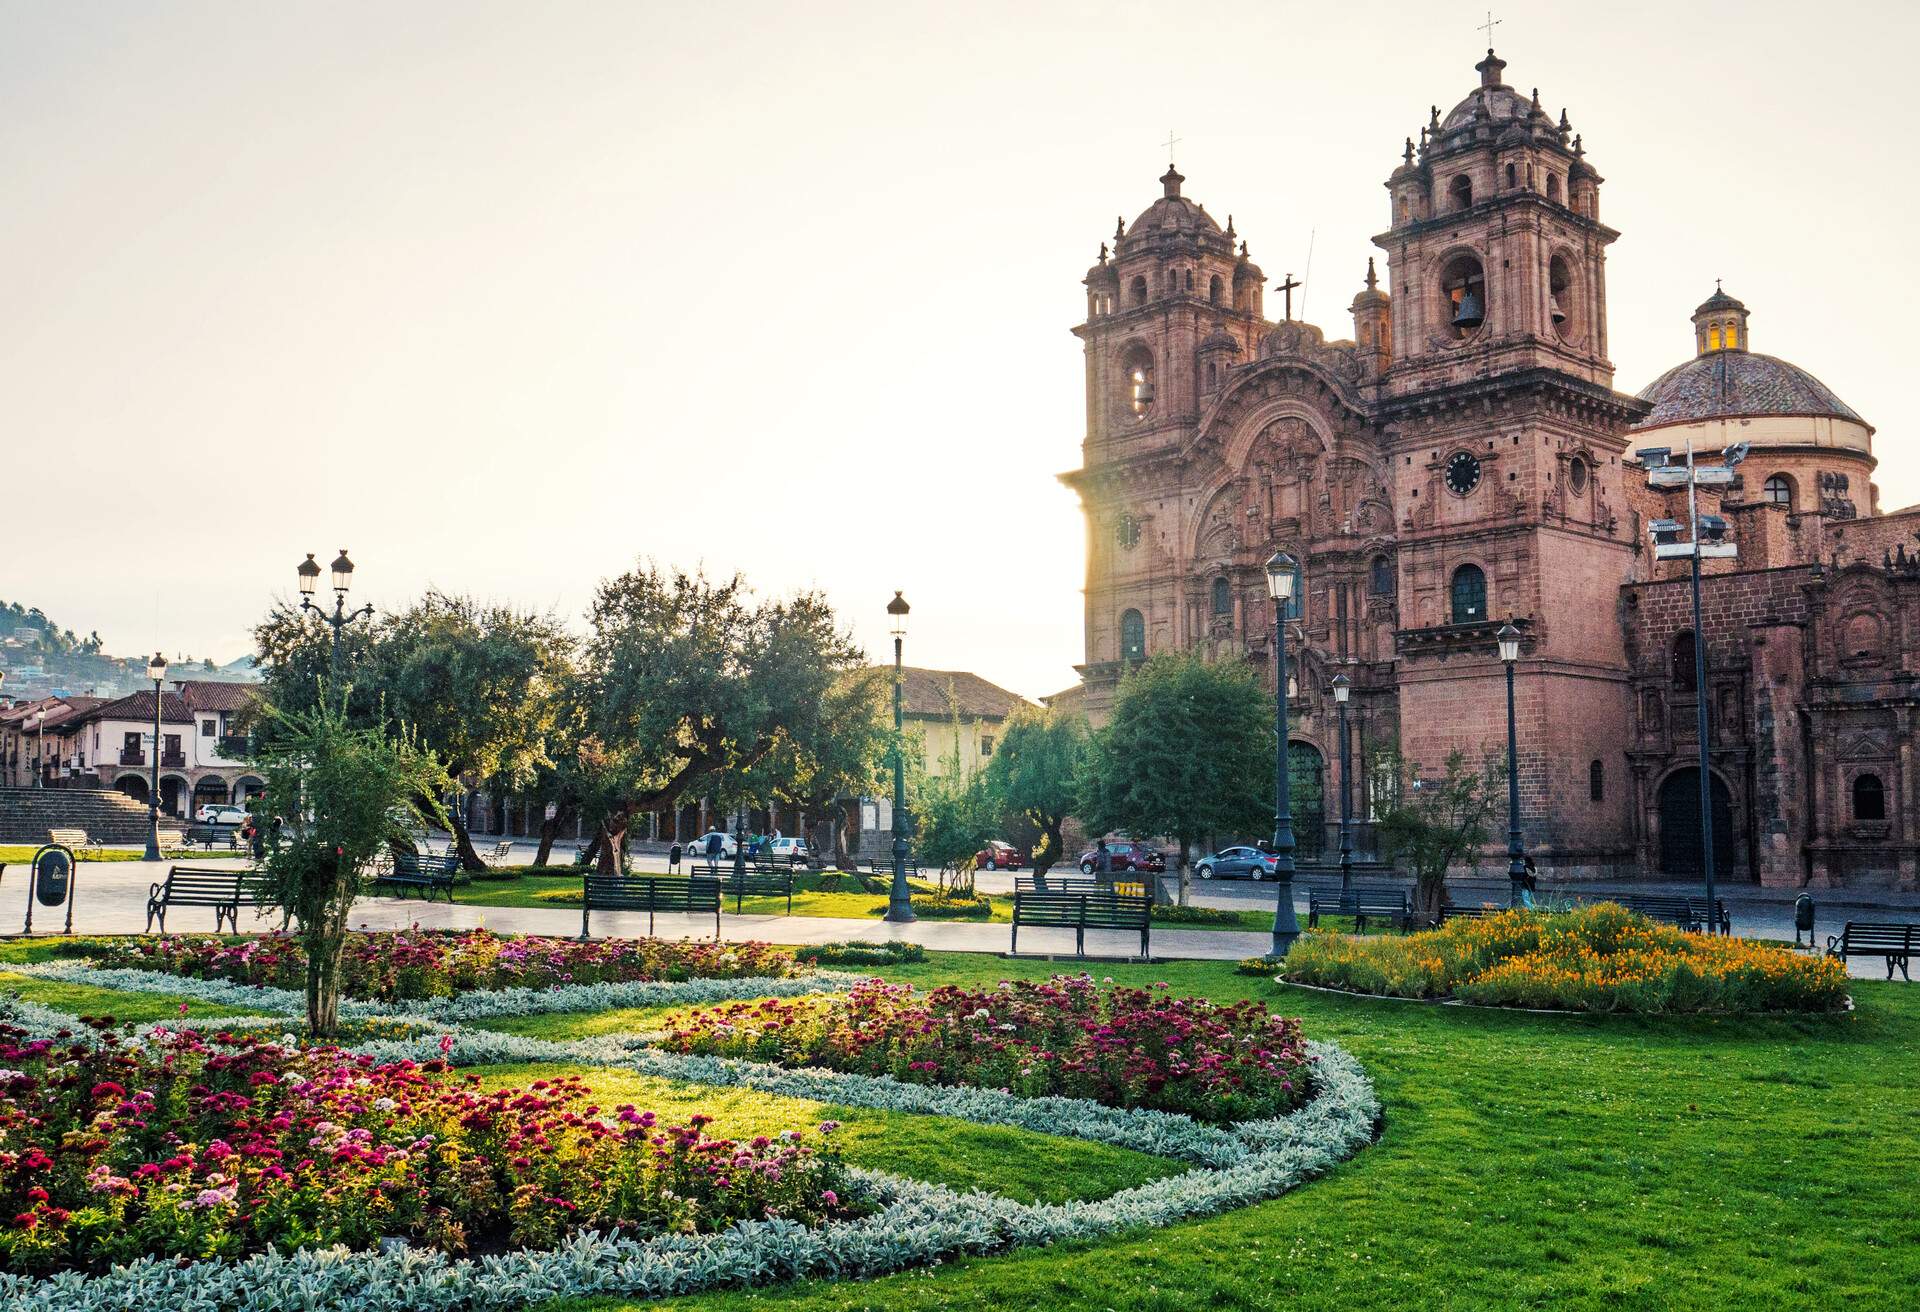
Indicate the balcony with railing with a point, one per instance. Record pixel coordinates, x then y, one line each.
177 759
133 756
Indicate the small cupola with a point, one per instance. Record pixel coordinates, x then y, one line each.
1720 324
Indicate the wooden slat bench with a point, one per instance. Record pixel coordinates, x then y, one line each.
501 851
1454 911
1686 912
74 838
1389 903
761 881
1081 910
226 891
693 894
209 834
883 865
428 874
1894 940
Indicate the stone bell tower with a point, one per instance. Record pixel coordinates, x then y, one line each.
1505 439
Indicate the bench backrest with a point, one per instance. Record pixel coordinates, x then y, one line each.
651 893
1032 907
68 837
1872 934
203 881
779 881
408 864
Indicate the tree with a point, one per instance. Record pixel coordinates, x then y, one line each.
815 776
480 684
953 817
1188 752
341 794
687 680
1433 823
1034 775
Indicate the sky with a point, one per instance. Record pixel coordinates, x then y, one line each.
508 297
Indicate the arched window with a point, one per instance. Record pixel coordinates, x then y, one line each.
1380 580
1869 798
1297 603
1463 287
1713 338
1460 191
1597 782
1732 338
1553 187
1214 289
1683 671
1777 490
1560 295
1222 597
1513 176
1189 279
1136 381
1469 595
1133 636
1577 477
1138 291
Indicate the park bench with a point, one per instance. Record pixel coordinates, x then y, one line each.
1122 884
1454 911
428 874
1895 941
883 865
694 894
74 838
226 891
209 834
501 851
1362 901
1081 910
1687 912
760 881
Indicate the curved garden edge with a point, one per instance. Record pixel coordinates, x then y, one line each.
917 1224
1536 1011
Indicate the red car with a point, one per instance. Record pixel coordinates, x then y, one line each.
1124 856
997 855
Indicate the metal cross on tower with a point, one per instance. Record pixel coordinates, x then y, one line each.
1286 288
1489 25
1171 142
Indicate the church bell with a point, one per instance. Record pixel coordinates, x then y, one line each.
1553 309
1143 392
1469 313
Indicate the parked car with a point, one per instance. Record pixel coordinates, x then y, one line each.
1123 856
698 847
794 851
221 814
1236 863
997 855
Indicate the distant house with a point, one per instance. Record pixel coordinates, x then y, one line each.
202 753
954 714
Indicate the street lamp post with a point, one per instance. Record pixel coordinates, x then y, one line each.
1509 639
899 897
1342 689
40 749
157 671
1706 538
342 570
1286 926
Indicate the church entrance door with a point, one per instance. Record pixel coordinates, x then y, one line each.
1680 826
1307 799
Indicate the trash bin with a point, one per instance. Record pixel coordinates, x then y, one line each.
1803 920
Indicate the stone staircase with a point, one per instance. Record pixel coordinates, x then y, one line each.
110 817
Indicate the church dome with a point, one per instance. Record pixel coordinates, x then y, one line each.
1172 212
1738 383
1493 102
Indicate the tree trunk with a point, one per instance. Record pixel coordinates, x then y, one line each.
1046 852
463 842
549 831
611 839
1429 895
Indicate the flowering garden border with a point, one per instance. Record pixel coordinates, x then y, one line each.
915 1223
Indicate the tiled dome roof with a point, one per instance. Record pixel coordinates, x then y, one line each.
1172 212
1736 383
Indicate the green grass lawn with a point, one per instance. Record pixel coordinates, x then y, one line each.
22 854
86 1000
1527 1161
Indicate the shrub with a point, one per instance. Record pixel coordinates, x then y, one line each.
1192 915
410 965
1597 958
860 952
1069 1036
181 1147
951 908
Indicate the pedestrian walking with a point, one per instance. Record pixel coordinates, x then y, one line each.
1528 883
1103 861
714 843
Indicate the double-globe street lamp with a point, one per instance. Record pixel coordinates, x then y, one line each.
1509 639
1286 925
342 570
157 671
899 896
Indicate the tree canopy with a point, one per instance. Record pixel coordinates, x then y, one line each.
1034 775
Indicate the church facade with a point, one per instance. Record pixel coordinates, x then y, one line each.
1462 461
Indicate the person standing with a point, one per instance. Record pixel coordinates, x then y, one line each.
1103 861
714 842
1528 883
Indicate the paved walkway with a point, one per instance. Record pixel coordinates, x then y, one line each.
111 897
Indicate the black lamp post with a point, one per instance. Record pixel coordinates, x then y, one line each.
1286 926
342 569
40 749
157 671
1342 688
899 897
1509 639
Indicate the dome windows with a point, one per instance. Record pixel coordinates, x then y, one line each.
1463 287
1777 491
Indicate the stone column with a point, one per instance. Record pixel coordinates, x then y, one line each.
1780 785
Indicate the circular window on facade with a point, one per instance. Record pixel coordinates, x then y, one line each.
1463 473
1577 477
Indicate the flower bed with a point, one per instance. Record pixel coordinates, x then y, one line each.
180 1147
1599 958
413 965
1069 1037
861 952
